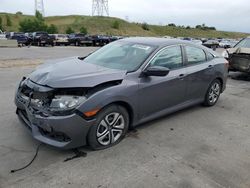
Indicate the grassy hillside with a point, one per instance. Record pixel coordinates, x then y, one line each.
103 25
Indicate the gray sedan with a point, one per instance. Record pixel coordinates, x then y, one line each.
94 100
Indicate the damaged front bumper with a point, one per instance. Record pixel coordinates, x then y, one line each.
239 59
64 131
240 62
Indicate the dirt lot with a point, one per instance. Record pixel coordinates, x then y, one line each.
197 147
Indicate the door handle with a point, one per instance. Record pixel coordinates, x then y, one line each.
181 76
210 66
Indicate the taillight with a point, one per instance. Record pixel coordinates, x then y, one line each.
227 64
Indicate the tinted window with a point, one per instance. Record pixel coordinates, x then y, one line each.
170 58
195 55
245 43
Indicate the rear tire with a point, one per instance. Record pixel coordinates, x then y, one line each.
213 93
111 127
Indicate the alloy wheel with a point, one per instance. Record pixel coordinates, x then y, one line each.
110 128
214 93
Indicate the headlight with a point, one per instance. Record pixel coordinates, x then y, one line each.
225 54
63 102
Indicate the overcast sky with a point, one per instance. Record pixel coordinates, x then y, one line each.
223 14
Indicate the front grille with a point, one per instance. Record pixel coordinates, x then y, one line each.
58 136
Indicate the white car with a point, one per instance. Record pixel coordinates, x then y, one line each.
225 44
2 36
196 41
61 39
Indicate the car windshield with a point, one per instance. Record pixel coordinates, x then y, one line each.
245 43
121 55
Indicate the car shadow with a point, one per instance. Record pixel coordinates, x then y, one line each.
239 76
167 117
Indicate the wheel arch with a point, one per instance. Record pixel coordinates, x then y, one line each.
221 81
128 107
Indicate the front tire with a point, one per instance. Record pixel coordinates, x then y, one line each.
110 128
213 93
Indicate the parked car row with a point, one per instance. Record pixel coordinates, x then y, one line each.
41 38
212 43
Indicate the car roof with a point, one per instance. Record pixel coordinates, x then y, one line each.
154 41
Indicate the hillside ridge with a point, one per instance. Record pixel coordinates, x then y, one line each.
105 25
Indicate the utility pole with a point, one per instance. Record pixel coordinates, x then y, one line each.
39 6
100 8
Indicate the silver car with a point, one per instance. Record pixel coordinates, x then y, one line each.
94 100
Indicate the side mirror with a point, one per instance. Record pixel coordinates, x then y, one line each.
83 57
156 71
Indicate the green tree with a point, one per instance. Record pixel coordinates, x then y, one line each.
8 20
32 25
116 24
39 16
212 28
83 30
145 26
19 13
52 29
69 30
172 25
198 27
29 25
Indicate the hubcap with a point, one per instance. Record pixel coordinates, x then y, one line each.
214 93
110 128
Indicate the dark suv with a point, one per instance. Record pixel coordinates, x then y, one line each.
42 38
21 38
100 40
80 39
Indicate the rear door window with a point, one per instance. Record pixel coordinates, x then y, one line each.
209 56
195 55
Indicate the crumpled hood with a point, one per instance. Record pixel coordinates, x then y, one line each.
72 72
238 50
